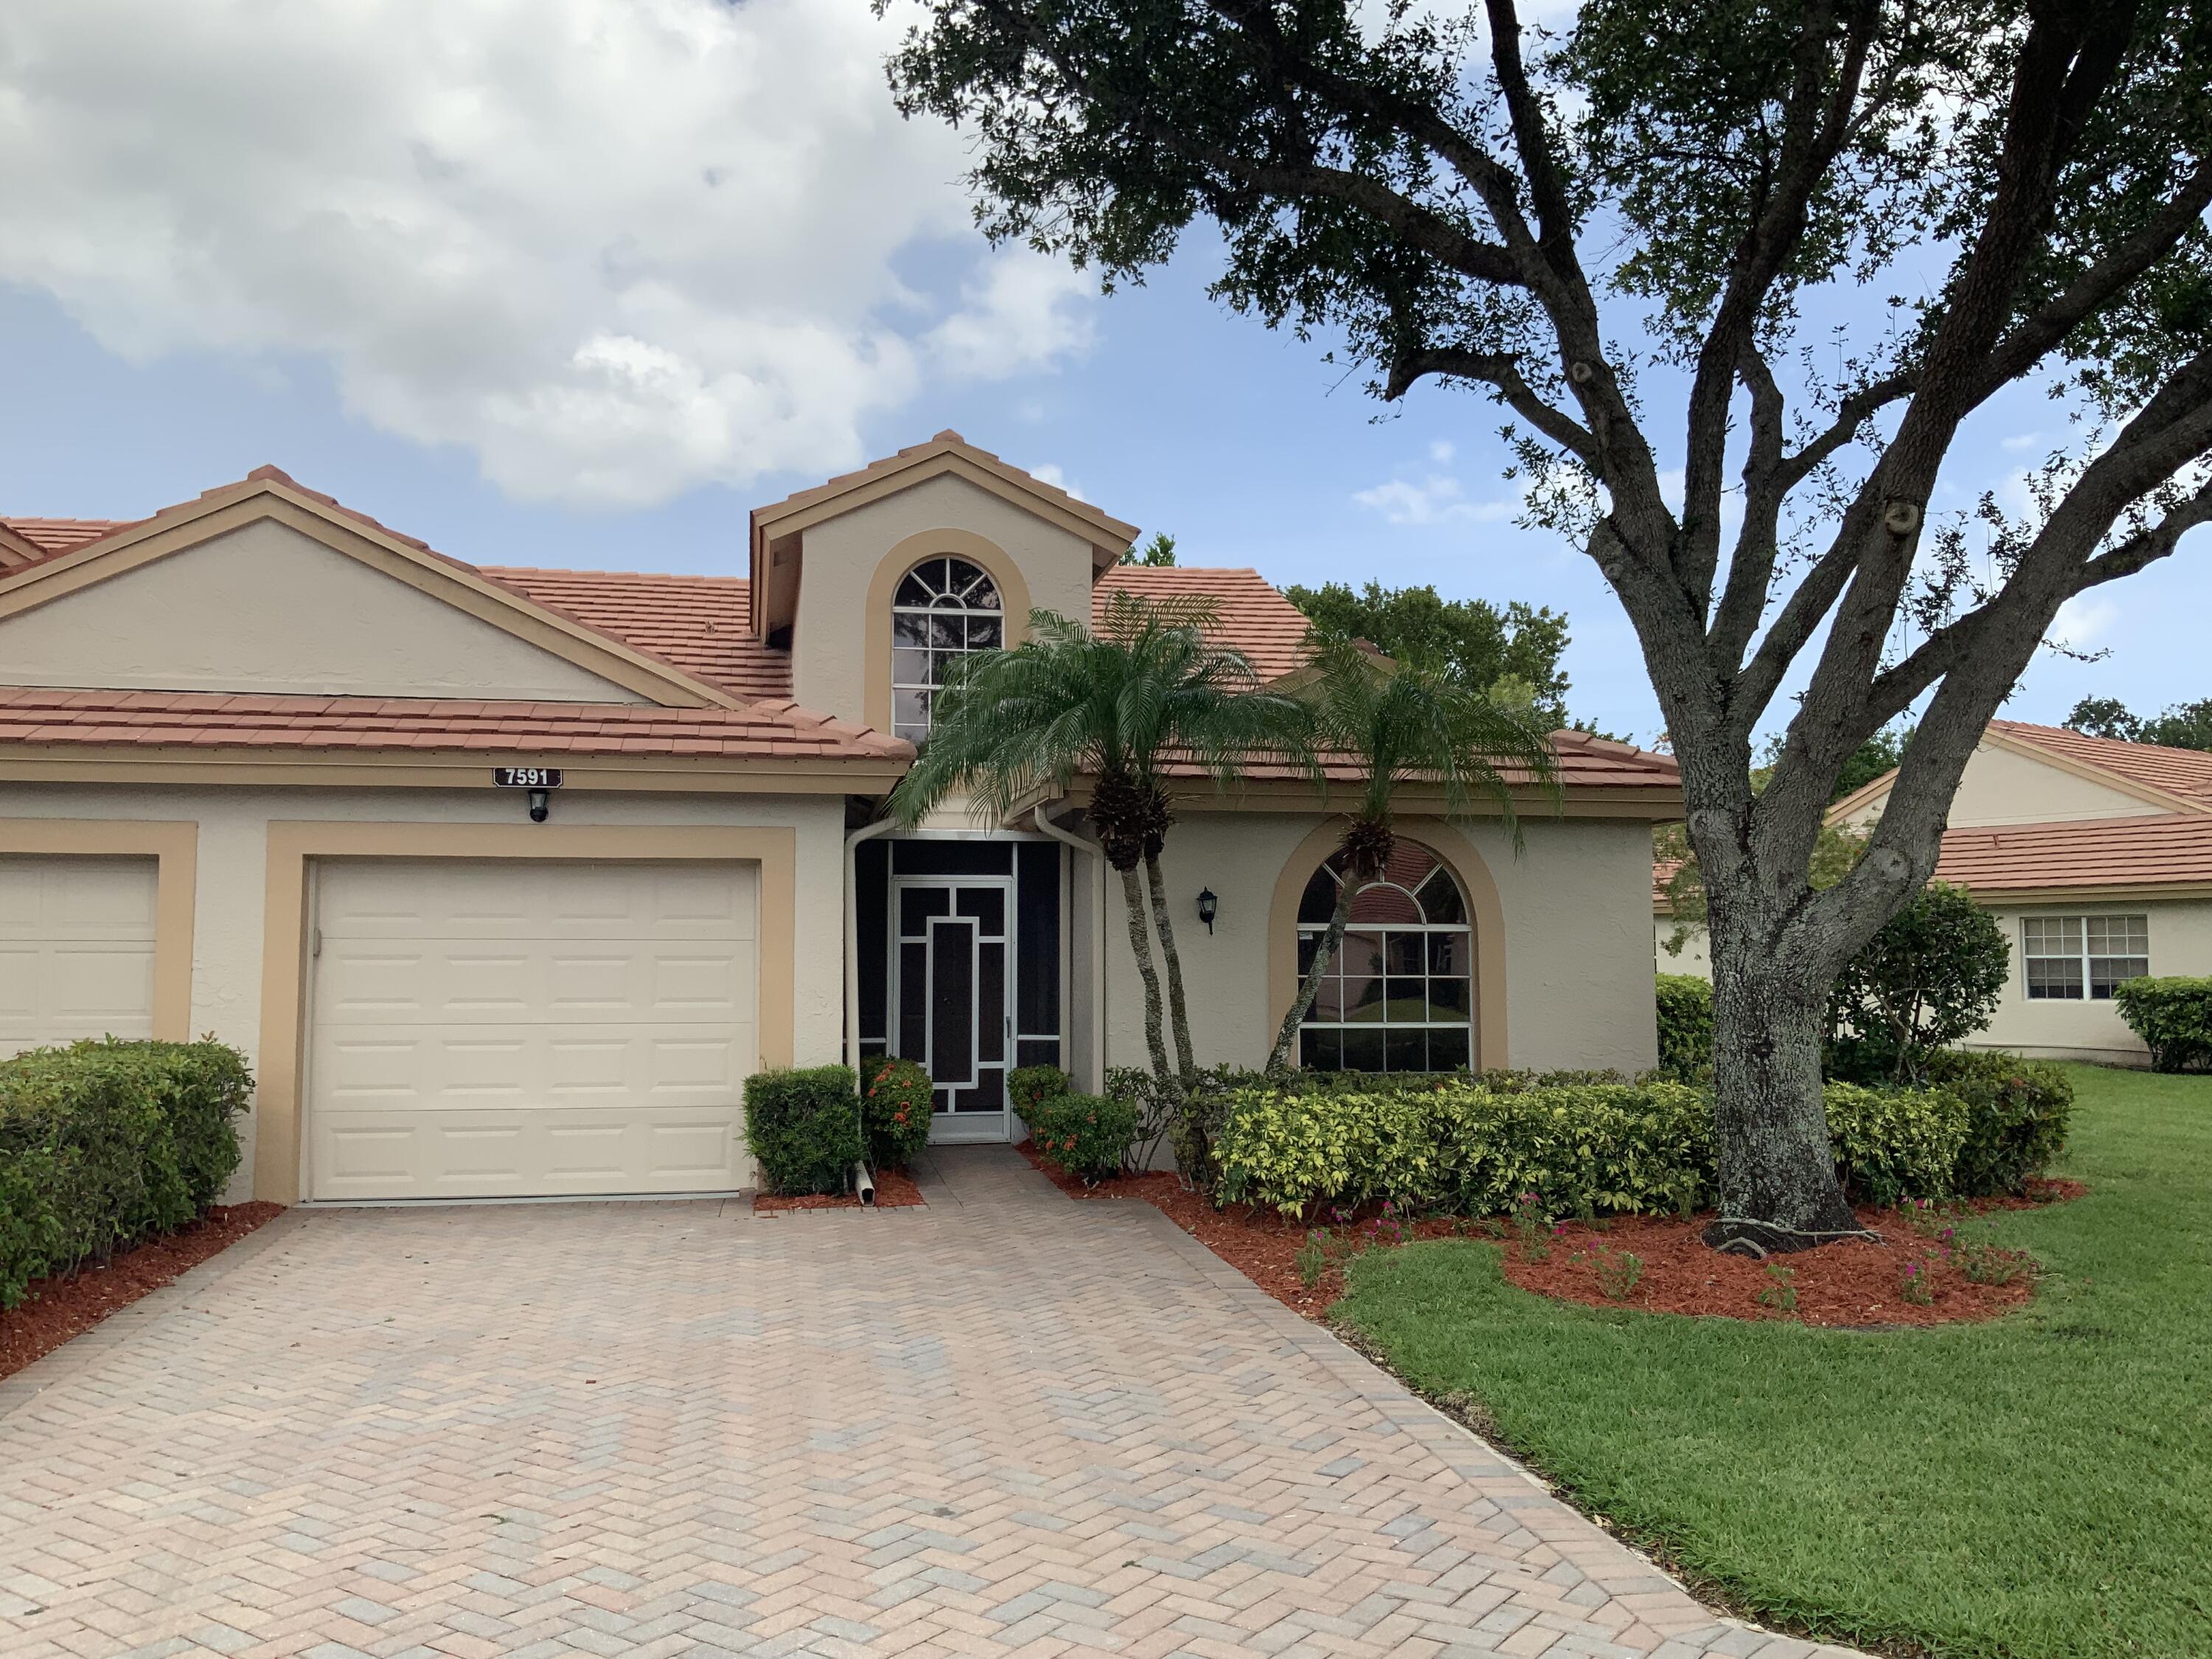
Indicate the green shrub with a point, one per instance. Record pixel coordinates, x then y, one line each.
1028 1084
804 1128
1895 1144
1482 1147
894 1110
1928 979
104 1143
1087 1135
2017 1114
1685 1027
2174 1016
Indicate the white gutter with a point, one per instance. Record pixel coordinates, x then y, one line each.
865 832
1043 819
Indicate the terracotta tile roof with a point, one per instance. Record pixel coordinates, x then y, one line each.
945 442
2184 772
1662 871
767 731
53 536
2170 849
701 623
1256 618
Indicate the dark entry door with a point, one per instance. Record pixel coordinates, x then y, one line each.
952 944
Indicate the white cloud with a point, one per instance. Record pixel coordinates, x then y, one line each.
1050 473
2083 620
1437 499
1441 453
2021 440
615 251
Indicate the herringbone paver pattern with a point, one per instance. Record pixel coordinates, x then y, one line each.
1007 1424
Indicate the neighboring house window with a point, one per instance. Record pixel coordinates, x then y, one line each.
2070 957
1399 995
944 609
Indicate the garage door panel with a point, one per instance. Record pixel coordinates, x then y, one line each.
76 949
505 1031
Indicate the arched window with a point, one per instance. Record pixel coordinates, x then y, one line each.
1399 996
943 609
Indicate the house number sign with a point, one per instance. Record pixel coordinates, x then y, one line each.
526 777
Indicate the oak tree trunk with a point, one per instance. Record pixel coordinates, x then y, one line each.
1778 1174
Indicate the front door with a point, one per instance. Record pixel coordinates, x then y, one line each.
952 942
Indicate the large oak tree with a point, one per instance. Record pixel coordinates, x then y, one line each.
1632 236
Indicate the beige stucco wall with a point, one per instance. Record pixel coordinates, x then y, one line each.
840 558
232 877
2001 785
266 609
2180 943
1575 903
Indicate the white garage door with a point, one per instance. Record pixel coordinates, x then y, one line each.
77 949
512 1029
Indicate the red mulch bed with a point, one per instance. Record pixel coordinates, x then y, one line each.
55 1310
1850 1285
894 1191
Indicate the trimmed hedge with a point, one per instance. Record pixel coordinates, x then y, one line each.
894 1109
1087 1135
804 1128
102 1143
2017 1114
1476 1146
1685 1027
2174 1016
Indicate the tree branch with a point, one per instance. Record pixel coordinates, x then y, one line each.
1500 370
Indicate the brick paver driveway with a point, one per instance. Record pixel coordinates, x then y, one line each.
1007 1424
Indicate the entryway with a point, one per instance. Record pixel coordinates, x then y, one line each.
953 993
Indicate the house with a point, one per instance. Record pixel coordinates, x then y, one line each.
2094 855
506 878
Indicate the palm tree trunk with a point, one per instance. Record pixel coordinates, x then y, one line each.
1279 1062
1141 945
1178 1010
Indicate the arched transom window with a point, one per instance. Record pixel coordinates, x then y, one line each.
944 609
1399 996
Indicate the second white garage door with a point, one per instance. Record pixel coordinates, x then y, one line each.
523 1029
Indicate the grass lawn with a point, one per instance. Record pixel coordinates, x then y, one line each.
2038 1486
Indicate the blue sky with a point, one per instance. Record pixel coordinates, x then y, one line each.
564 360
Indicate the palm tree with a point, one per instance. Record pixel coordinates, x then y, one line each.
1399 724
1126 704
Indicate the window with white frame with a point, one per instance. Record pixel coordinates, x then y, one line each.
944 609
1398 994
2077 958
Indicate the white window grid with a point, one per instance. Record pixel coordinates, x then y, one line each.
944 609
2082 957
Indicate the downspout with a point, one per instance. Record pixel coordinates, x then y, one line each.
1042 819
863 1182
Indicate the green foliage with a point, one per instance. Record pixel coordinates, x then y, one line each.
1471 642
1501 1145
1685 1027
1087 1135
1835 850
2183 726
1930 978
1119 704
804 1128
2174 1016
1895 1144
1880 754
894 1110
1028 1084
105 1143
1159 553
2018 1112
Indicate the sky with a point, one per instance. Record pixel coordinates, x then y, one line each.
577 282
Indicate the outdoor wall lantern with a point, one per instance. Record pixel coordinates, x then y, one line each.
1208 906
541 806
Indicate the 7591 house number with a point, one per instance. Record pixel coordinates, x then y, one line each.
526 777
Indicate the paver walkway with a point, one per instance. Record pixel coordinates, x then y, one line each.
1008 1425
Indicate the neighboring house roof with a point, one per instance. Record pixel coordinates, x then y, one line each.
2080 855
700 623
45 717
1256 618
2186 773
37 539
